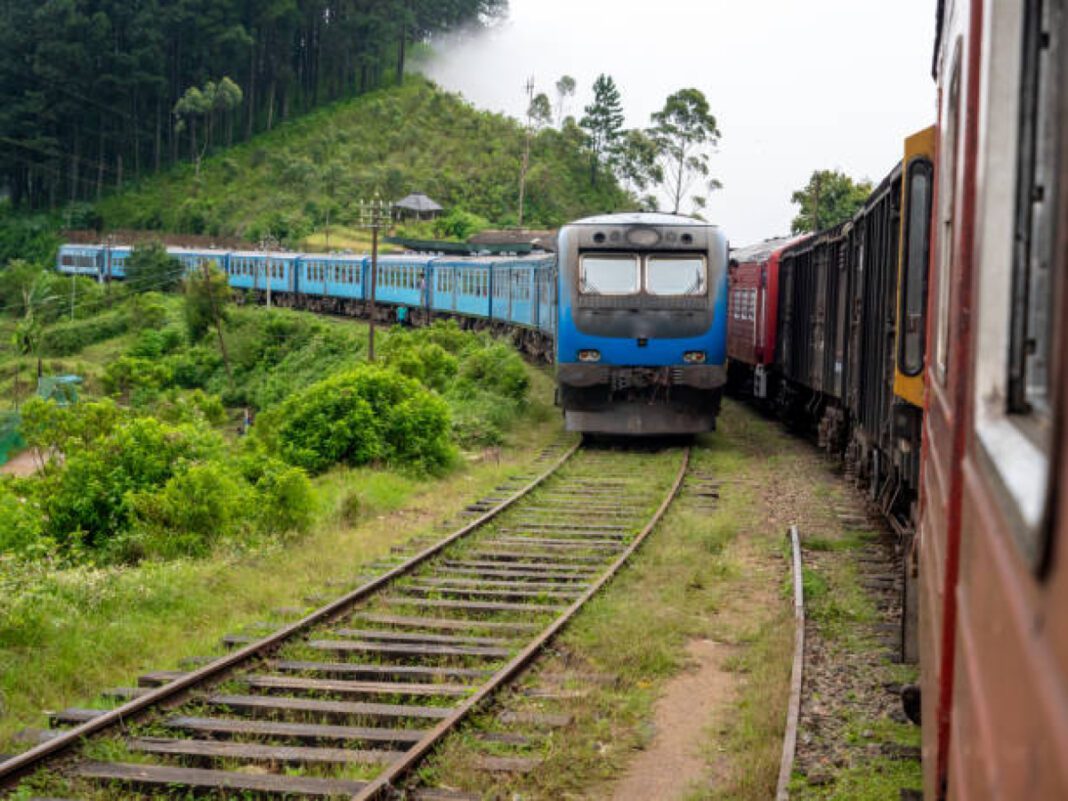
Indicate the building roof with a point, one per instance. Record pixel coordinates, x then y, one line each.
417 201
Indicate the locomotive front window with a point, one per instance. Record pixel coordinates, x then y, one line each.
685 275
608 275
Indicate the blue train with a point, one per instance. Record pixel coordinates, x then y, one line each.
505 292
634 310
642 340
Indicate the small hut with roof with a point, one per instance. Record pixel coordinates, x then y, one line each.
417 206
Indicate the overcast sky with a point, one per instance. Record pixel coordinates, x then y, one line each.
795 85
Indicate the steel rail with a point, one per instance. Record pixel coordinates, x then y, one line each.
17 766
793 712
386 780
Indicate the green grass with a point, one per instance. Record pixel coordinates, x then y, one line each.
878 779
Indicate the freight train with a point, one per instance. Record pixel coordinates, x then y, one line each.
633 312
922 341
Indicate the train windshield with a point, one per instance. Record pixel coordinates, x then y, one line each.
675 275
614 274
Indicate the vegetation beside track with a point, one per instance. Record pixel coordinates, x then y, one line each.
152 508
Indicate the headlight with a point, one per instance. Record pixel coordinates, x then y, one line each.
694 357
589 355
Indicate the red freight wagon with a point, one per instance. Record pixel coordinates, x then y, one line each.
752 314
993 533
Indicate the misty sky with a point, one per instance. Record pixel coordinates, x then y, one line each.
795 85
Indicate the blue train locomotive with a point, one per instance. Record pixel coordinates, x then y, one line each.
641 339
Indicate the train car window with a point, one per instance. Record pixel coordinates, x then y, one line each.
608 274
678 275
914 286
1032 290
948 193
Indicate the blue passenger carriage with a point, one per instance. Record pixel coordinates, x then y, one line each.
115 259
263 272
333 276
194 259
80 260
463 286
641 341
403 280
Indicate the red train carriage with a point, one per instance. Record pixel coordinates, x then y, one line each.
752 316
993 537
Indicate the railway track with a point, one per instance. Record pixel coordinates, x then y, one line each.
350 699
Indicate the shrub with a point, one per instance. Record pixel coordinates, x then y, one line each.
357 417
192 407
497 368
193 367
88 499
195 509
426 362
20 521
66 339
417 432
128 373
284 497
459 224
154 343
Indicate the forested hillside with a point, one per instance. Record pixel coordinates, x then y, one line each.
313 172
94 93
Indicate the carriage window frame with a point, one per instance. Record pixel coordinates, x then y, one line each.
948 210
1018 438
920 166
604 256
649 258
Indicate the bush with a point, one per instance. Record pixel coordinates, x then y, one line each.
284 497
459 224
496 368
88 499
20 521
358 417
66 339
193 367
128 373
194 510
153 343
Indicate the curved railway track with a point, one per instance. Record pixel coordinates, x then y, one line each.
348 701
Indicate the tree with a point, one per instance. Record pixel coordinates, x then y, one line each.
540 112
31 285
603 122
150 269
207 292
637 165
565 88
207 104
830 197
684 131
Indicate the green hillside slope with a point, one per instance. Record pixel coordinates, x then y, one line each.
313 171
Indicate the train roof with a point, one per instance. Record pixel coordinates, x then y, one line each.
762 251
272 254
644 218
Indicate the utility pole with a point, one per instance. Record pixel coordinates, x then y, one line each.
526 150
374 215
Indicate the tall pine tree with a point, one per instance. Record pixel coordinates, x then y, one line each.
603 123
